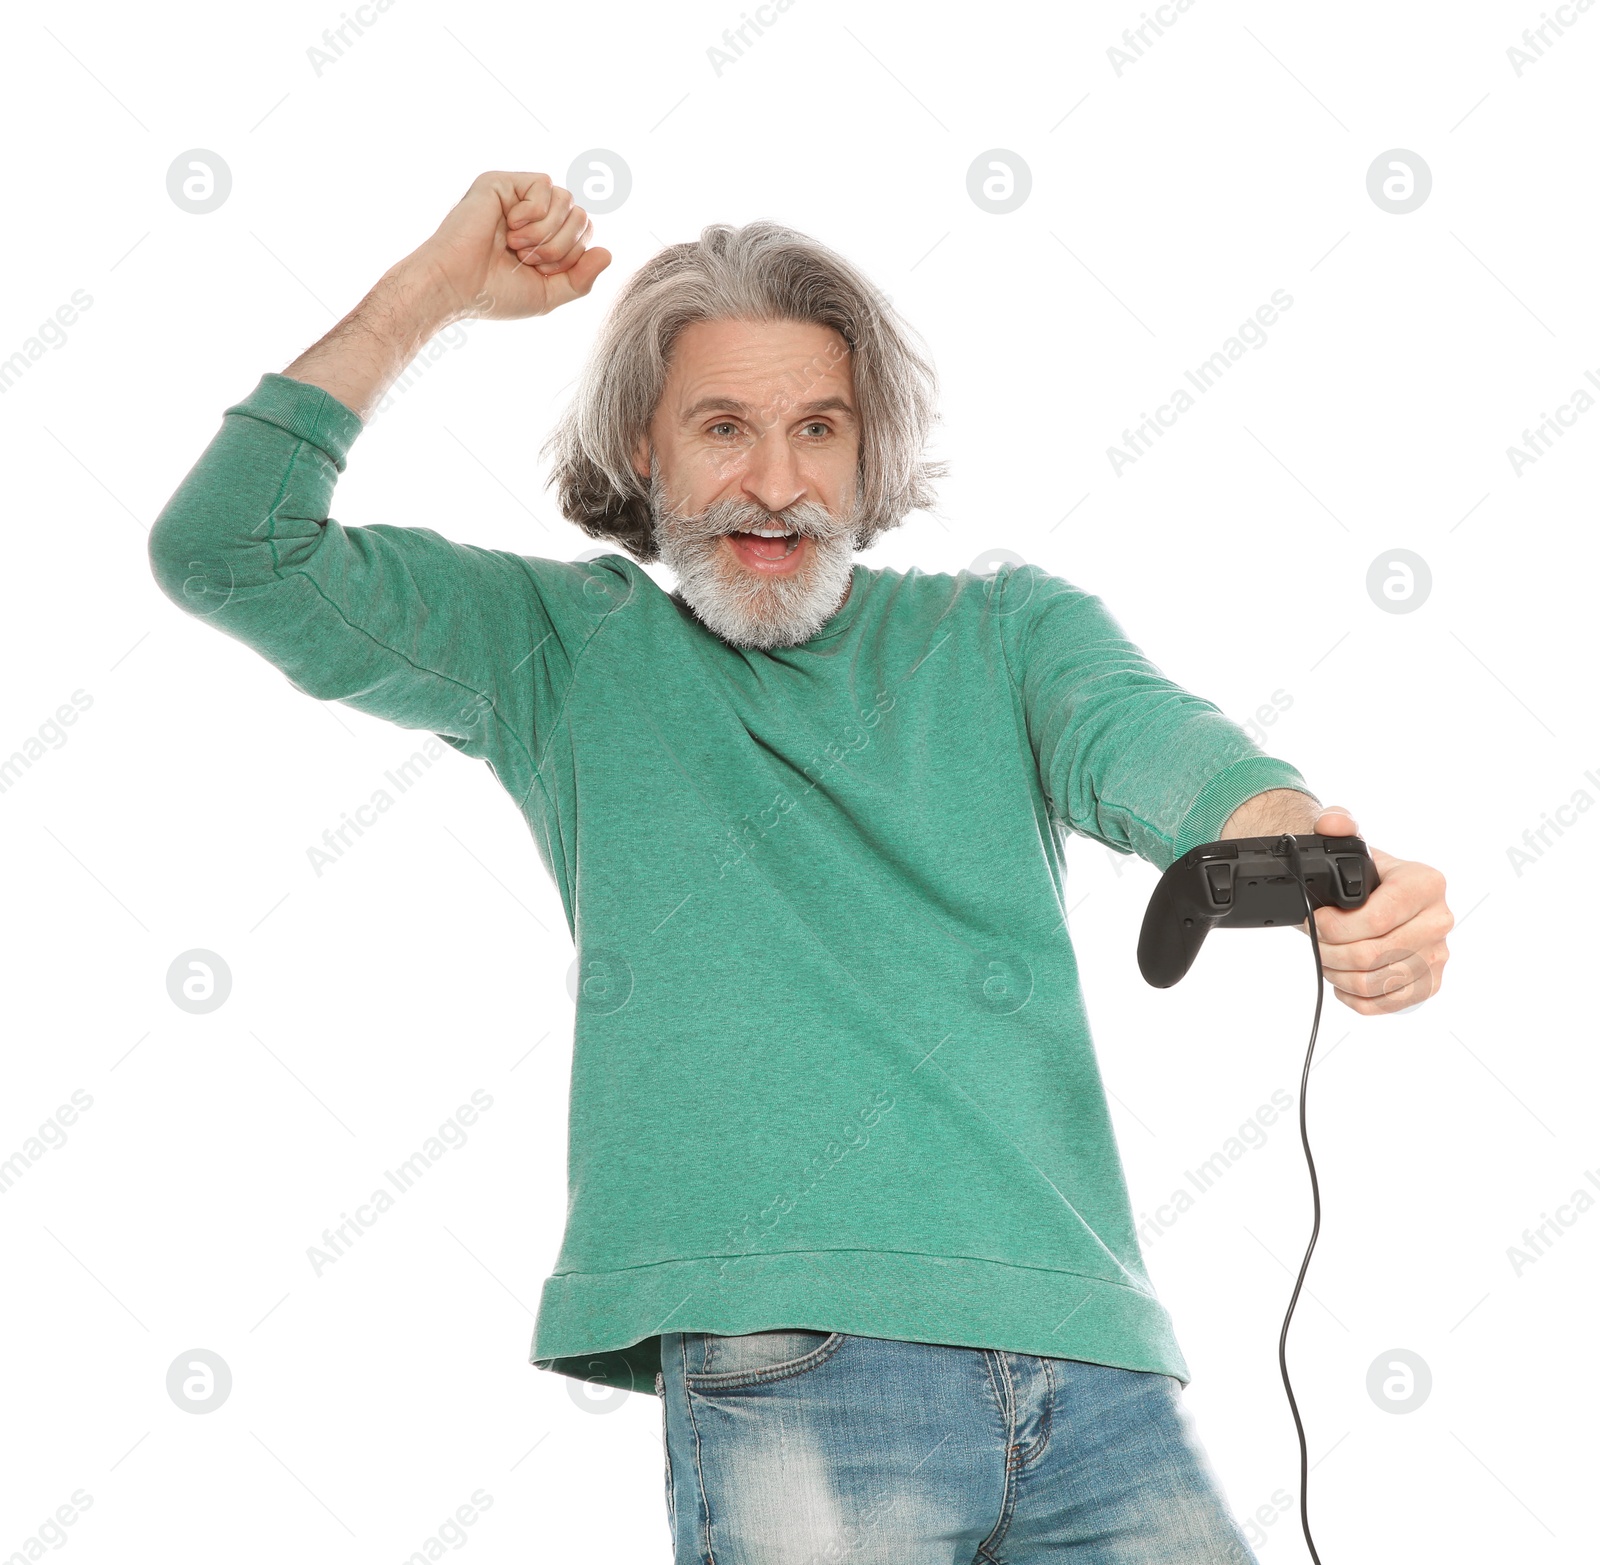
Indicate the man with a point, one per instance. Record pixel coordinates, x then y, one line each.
843 1186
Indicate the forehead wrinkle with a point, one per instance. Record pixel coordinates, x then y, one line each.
720 404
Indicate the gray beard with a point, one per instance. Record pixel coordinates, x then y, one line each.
740 606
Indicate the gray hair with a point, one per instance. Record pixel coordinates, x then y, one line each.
761 272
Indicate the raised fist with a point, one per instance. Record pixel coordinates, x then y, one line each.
514 245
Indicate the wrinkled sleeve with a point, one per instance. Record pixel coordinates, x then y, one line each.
1125 756
476 645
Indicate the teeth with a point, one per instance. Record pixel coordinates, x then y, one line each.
770 532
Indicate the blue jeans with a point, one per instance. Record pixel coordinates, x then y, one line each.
822 1448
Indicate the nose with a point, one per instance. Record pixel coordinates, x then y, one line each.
772 475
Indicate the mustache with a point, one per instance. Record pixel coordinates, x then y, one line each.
807 518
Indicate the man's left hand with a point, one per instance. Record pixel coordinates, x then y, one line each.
1390 952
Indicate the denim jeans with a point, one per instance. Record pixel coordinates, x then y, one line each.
822 1448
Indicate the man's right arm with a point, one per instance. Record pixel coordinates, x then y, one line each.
399 622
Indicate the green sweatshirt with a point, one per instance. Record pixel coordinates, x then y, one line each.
831 1066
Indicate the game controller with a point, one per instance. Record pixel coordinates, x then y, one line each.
1246 883
1256 883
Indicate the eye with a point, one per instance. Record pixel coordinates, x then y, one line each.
724 424
820 426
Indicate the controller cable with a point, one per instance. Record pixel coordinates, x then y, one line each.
1289 850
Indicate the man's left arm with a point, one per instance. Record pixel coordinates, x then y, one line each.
1132 760
1390 952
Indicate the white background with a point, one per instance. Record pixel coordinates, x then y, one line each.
1167 204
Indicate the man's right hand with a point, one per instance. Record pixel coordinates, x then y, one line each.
514 245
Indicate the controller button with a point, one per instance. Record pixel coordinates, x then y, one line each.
1350 876
1220 879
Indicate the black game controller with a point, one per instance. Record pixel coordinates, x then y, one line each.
1245 883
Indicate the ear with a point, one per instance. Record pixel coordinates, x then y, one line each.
641 456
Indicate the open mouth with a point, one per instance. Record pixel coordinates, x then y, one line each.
764 547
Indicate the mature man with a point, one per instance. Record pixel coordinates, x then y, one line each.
843 1186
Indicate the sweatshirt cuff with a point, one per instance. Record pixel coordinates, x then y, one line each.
307 412
1227 791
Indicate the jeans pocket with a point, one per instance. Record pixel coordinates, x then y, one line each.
718 1363
666 1456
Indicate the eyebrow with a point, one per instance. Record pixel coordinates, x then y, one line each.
733 405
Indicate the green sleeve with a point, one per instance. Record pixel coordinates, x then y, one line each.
477 645
1125 756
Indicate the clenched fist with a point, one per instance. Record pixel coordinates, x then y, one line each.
514 245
